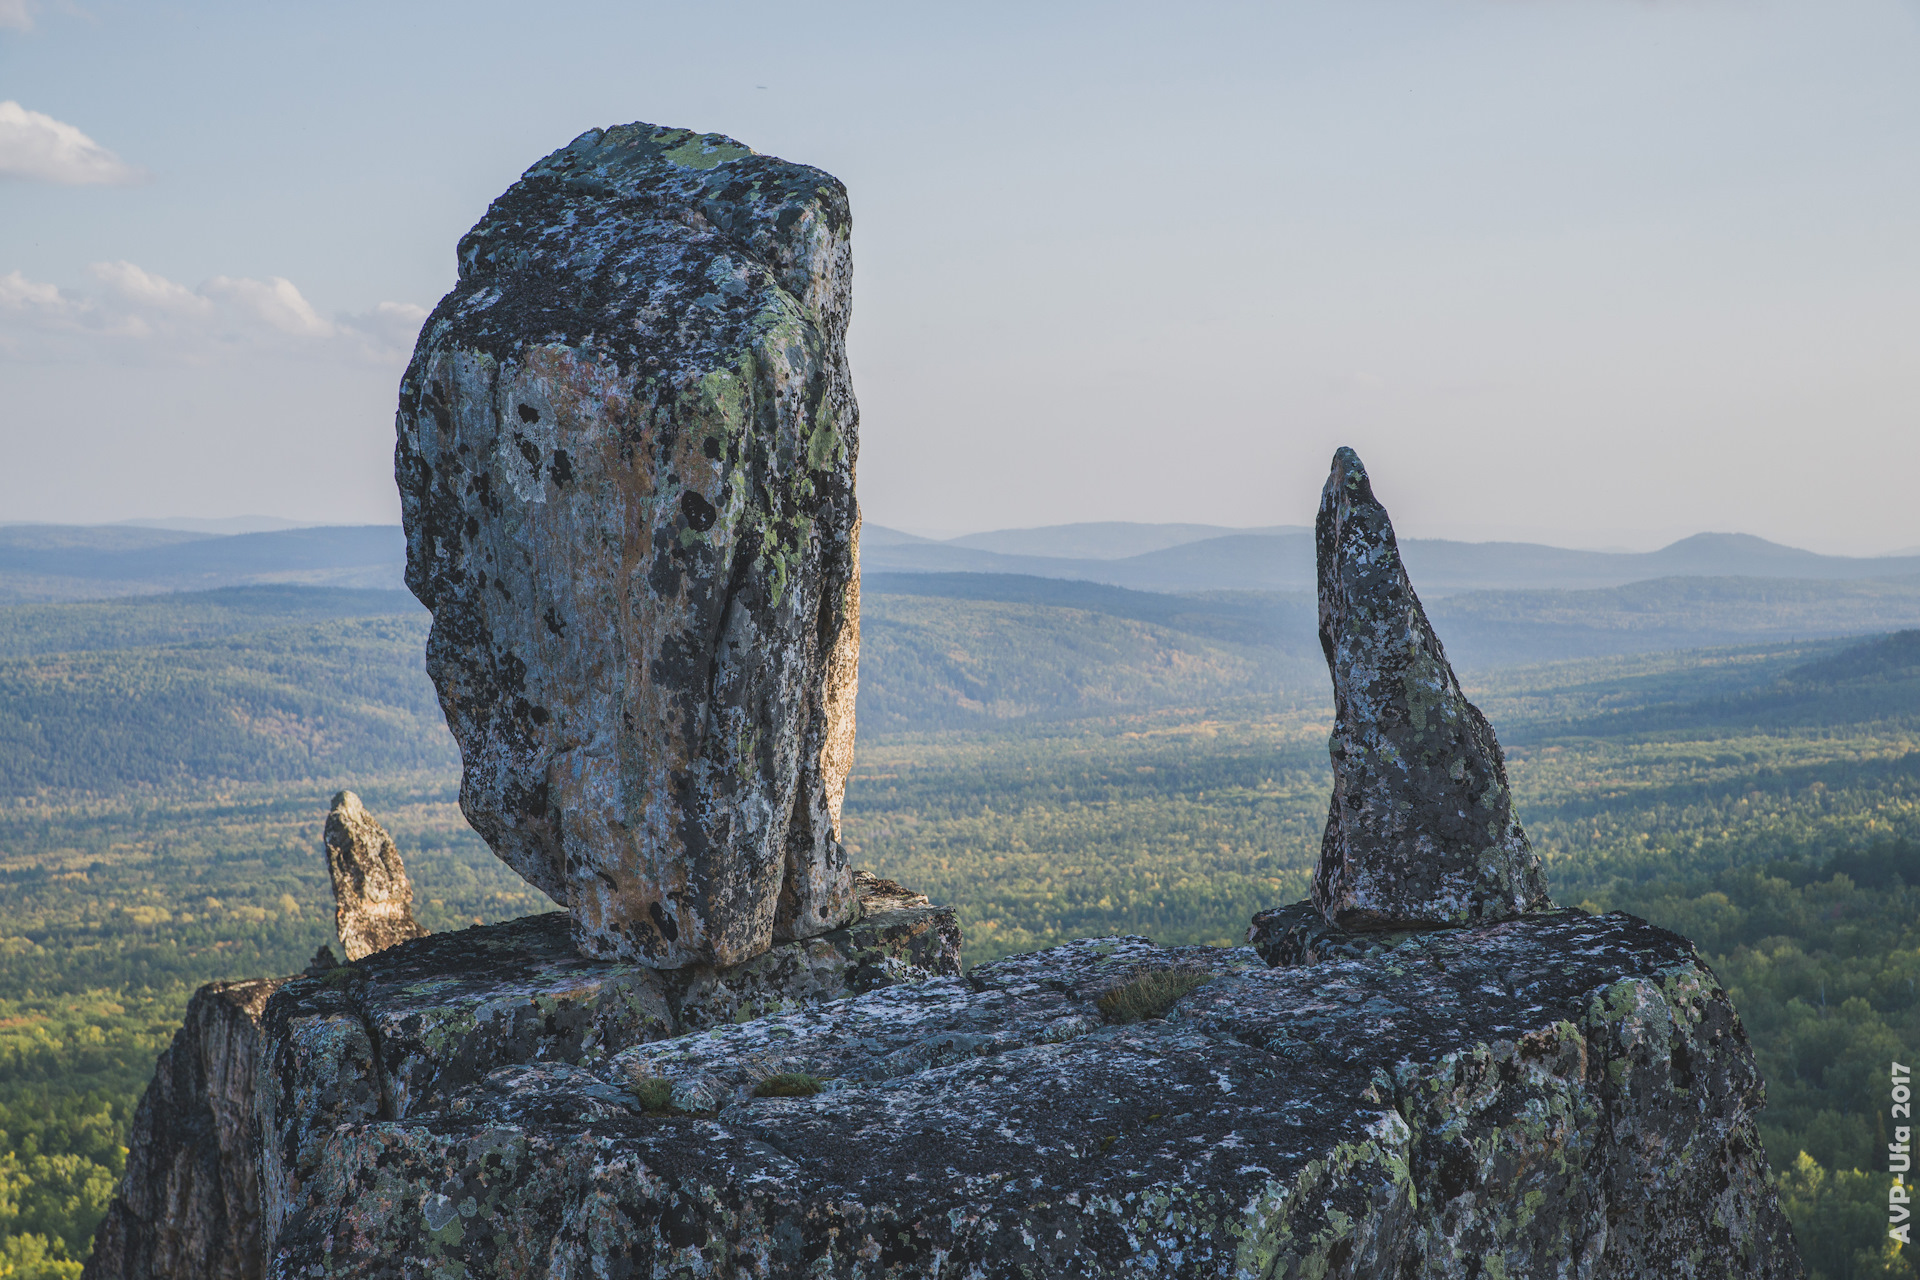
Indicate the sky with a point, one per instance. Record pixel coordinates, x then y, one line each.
1589 272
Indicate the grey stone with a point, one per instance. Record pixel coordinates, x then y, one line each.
372 899
1557 1095
189 1205
411 1031
1420 829
626 448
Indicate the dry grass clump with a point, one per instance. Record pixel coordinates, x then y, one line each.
1149 995
788 1084
654 1093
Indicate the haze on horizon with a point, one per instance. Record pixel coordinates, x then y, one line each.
1583 272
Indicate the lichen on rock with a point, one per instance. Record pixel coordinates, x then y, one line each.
626 459
1420 828
626 448
1554 1095
412 1031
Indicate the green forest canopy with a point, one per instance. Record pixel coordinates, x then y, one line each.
165 780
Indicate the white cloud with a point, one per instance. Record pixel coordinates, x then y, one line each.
137 311
16 15
392 325
18 293
146 289
275 301
38 148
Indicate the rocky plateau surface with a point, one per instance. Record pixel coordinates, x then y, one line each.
414 1025
1559 1095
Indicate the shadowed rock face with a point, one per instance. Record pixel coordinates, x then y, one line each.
372 900
1420 831
189 1205
625 454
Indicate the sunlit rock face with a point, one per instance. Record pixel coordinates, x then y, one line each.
626 448
1420 831
372 898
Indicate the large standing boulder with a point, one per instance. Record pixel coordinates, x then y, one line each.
1420 831
626 466
372 897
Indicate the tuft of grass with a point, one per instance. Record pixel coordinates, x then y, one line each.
654 1094
337 979
788 1084
1149 995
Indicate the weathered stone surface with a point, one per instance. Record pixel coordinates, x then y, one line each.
1420 830
1300 935
372 899
412 1030
625 453
1558 1095
189 1205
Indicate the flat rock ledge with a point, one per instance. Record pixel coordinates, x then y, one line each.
1554 1095
406 1031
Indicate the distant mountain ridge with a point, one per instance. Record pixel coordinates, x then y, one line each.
48 563
1106 540
1281 559
1481 629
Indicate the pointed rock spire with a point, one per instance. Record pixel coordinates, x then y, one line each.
1420 831
372 900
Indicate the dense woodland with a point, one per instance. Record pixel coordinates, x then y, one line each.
1051 769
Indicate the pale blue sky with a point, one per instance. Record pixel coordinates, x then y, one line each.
1587 271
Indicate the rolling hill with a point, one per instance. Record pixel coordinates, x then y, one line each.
60 562
66 562
1481 630
1281 559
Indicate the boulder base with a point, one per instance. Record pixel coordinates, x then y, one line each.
1554 1095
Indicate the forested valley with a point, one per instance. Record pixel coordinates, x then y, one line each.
1054 765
